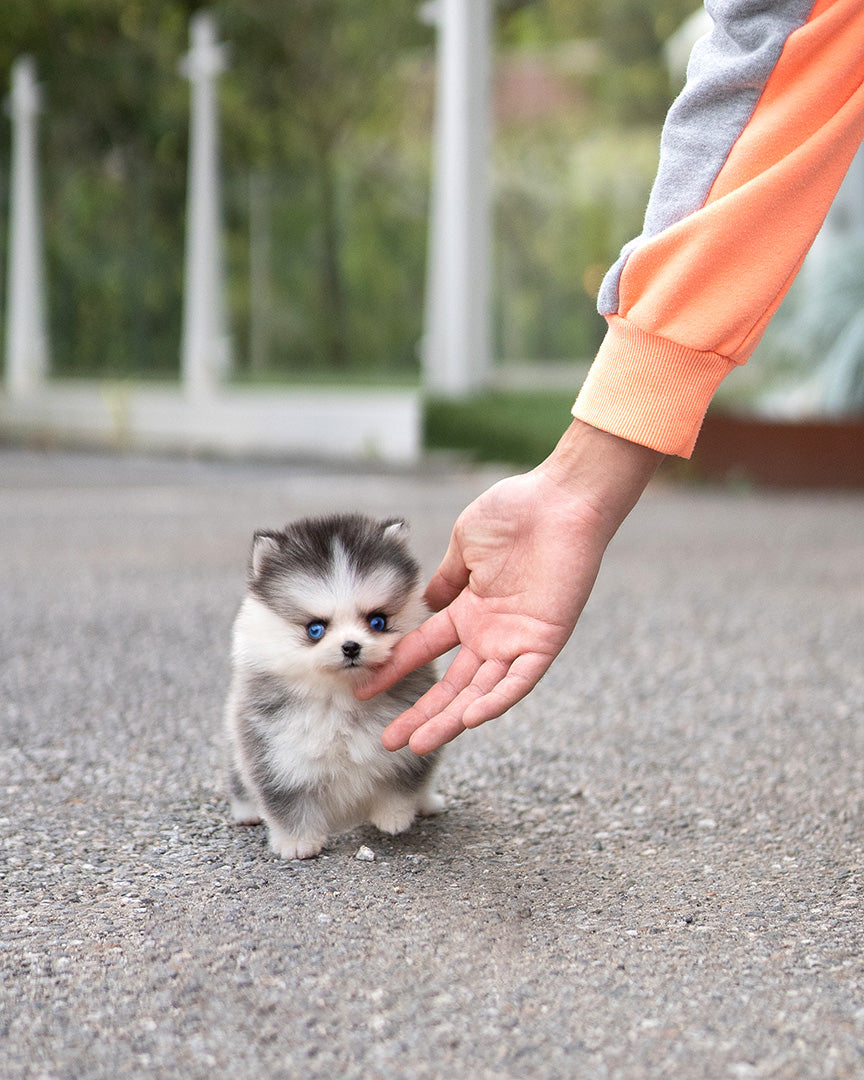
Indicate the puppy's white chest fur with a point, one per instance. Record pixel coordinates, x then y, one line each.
324 738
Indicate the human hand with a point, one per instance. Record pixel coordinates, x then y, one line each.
521 564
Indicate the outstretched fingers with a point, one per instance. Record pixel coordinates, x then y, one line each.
516 683
472 692
432 711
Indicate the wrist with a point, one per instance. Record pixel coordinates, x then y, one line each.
603 472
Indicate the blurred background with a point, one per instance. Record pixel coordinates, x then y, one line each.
326 116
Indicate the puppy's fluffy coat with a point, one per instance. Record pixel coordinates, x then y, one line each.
327 598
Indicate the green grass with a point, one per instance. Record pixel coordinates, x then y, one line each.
327 379
511 428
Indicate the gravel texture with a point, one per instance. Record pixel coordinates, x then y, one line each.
652 867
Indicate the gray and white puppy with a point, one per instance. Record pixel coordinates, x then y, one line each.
327 599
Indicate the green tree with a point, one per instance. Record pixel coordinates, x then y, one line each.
321 70
114 106
331 100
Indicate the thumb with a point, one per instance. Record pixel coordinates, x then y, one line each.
449 579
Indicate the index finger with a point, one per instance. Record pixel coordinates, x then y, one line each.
432 638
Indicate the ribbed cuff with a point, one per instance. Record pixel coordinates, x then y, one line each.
649 390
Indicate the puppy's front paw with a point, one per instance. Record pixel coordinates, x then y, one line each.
431 803
393 815
296 847
244 812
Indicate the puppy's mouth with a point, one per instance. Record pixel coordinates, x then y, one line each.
357 659
360 665
351 664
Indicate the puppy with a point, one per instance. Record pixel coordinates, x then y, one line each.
327 599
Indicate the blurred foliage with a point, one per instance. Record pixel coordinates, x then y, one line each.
631 85
326 115
812 365
515 428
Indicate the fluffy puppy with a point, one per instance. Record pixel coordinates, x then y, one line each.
327 599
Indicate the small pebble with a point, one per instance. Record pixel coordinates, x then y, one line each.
365 854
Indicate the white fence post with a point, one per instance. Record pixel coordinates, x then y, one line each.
205 357
456 344
26 336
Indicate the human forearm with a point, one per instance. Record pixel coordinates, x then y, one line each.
603 473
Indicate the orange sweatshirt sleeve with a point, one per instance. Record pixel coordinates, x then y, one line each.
752 154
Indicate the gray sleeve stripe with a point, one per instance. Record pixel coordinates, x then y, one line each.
726 76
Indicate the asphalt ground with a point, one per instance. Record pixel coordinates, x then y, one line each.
652 867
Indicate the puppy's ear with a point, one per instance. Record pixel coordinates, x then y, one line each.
396 530
263 545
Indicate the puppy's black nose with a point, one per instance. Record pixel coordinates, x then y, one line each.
351 650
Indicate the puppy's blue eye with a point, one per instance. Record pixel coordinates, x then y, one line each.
378 623
315 630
